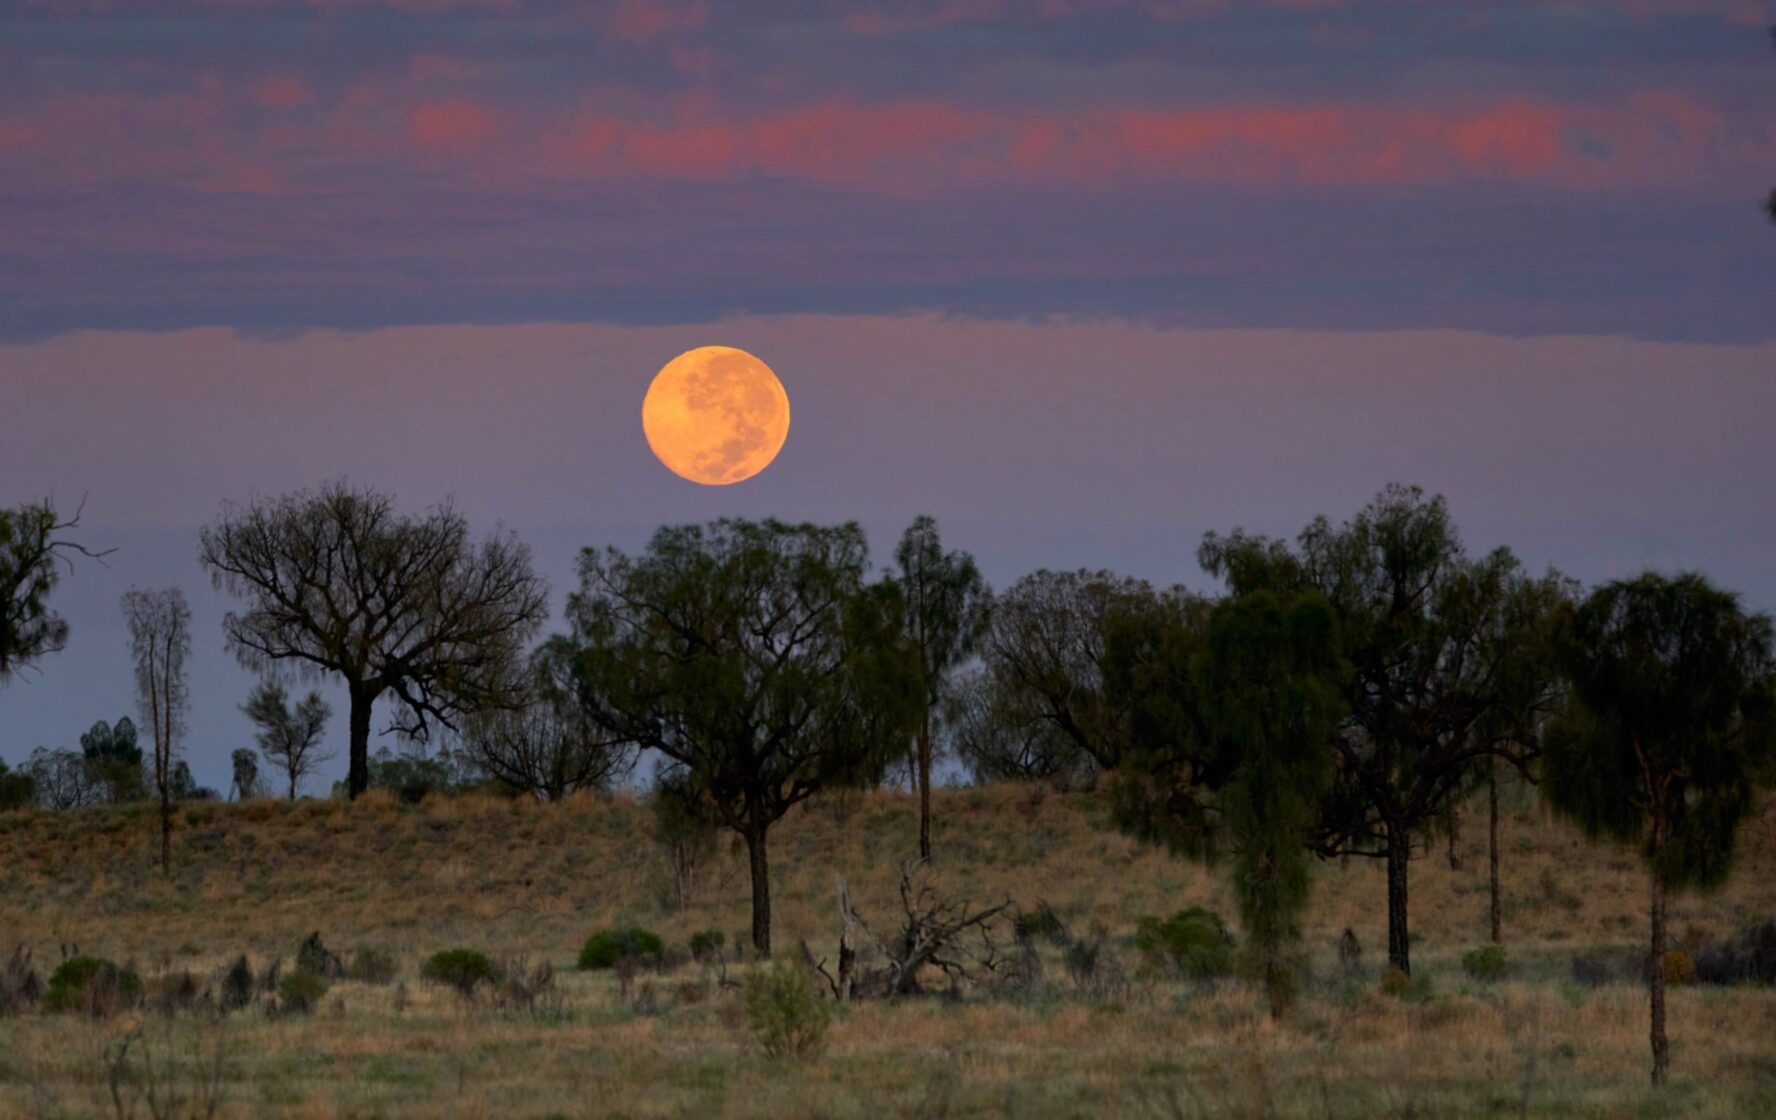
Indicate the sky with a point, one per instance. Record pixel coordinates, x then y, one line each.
1082 278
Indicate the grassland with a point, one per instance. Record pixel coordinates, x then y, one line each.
519 879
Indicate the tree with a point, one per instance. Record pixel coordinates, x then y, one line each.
245 784
65 779
1417 620
946 613
1671 716
32 546
998 739
336 581
288 737
758 658
160 641
546 746
17 788
113 760
1045 646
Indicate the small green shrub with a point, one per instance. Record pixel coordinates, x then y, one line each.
462 969
1196 940
707 943
1402 986
608 946
93 985
300 992
372 966
1486 963
786 1011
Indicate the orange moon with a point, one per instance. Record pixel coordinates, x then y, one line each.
715 415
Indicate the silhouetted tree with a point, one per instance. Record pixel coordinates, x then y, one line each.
32 545
997 738
289 737
17 788
245 784
1671 716
66 779
1045 647
755 655
113 760
1417 620
546 746
946 613
160 642
336 581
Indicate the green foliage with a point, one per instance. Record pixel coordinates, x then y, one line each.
1672 718
301 992
707 943
91 984
462 969
17 788
33 552
608 946
1408 988
786 1010
1195 940
114 759
1488 962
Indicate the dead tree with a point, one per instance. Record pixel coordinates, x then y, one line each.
932 934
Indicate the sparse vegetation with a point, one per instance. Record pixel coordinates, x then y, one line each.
461 969
607 947
786 1010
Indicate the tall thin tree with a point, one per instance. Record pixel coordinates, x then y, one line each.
946 614
1673 714
160 641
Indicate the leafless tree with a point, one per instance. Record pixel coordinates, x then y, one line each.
160 641
545 745
336 581
289 737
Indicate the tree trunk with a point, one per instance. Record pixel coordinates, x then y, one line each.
358 776
761 890
166 831
1492 850
1656 981
1399 852
925 789
293 785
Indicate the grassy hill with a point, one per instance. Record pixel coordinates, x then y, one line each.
516 879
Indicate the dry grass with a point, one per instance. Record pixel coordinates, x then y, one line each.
515 878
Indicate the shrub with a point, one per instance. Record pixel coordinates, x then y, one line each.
372 966
1749 958
608 946
93 985
1041 922
785 1010
237 985
314 956
300 992
705 944
1679 969
1591 971
20 986
1397 983
1196 940
1485 963
462 969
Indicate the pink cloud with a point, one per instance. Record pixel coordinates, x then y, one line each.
644 19
282 93
452 124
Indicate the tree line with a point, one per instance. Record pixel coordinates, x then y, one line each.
1340 697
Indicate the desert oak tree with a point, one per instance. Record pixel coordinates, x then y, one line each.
337 581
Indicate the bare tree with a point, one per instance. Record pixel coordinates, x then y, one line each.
336 581
289 738
160 641
31 544
546 745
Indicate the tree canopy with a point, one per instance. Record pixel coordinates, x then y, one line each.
757 656
337 581
33 549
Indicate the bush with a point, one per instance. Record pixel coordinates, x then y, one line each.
372 966
1679 969
1486 963
462 969
608 946
1749 958
300 992
92 985
1591 971
1196 940
786 1011
705 944
314 956
1041 922
1412 989
20 986
237 985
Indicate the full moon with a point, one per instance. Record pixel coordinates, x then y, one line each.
715 415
